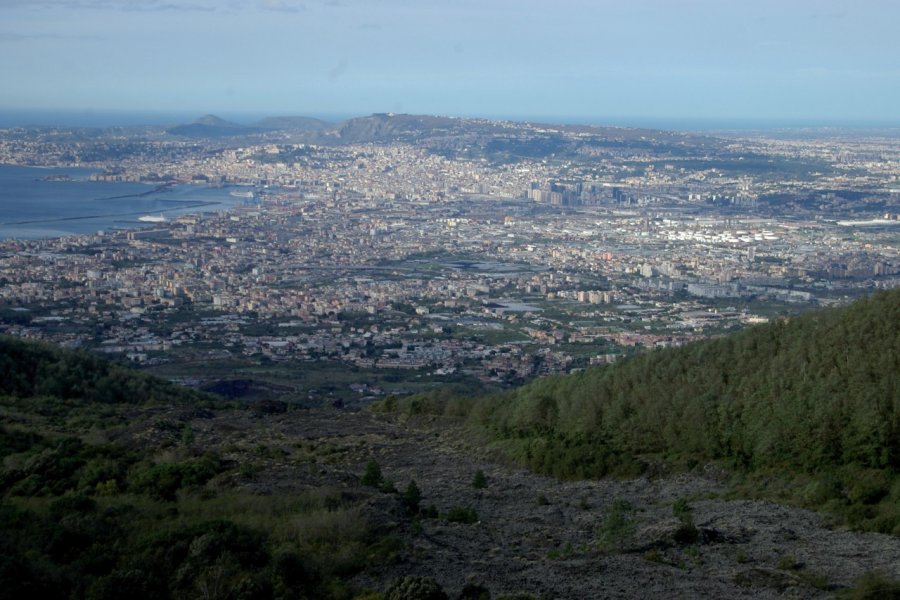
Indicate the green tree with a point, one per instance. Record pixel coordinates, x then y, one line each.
372 477
412 497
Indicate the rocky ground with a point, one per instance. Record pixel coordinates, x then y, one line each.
536 535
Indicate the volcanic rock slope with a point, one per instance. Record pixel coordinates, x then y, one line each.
536 535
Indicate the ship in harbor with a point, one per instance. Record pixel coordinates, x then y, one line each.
249 194
152 218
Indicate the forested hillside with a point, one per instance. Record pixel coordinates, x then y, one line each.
107 491
31 370
817 395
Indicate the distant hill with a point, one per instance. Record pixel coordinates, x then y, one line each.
293 124
818 394
374 128
386 127
458 137
211 126
502 141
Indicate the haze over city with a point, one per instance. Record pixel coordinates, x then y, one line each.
575 60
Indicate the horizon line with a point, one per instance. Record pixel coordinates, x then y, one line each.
106 117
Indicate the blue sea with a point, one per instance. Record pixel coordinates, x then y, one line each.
33 206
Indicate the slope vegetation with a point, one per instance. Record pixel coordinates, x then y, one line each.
115 484
30 370
817 396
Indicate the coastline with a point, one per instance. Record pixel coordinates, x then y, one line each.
88 217
35 208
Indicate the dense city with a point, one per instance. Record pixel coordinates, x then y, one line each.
472 253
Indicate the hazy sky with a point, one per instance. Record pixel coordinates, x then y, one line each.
792 59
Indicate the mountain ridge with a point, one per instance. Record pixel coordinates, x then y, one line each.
446 134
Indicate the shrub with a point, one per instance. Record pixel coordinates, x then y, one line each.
788 563
869 486
415 588
687 532
617 528
162 481
458 514
71 504
874 585
372 477
653 555
133 584
290 571
474 591
681 509
412 497
107 488
479 482
821 490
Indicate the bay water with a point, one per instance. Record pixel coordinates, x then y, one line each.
37 203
